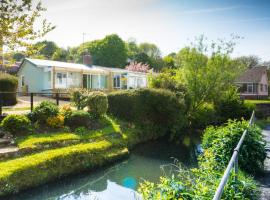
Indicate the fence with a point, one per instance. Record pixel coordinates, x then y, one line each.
232 164
55 96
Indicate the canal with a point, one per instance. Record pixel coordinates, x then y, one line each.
147 161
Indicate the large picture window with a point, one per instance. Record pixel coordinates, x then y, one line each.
250 88
61 78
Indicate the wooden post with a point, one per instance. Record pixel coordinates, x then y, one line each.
32 101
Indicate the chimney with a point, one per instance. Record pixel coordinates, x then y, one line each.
87 60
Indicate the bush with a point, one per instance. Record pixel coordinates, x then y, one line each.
78 118
204 116
97 103
157 111
66 111
230 106
222 141
16 124
79 98
8 83
29 171
56 122
43 111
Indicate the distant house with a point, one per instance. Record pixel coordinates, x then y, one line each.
253 84
36 75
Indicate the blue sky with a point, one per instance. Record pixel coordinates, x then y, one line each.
171 24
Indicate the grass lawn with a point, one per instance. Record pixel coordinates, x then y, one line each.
16 109
257 101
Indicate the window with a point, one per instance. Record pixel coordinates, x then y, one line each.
265 86
261 86
250 88
61 78
116 81
22 81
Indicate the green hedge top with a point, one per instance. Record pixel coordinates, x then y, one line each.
8 83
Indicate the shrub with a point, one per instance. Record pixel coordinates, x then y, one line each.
79 98
16 124
66 110
56 122
78 118
8 83
222 141
230 106
97 103
158 111
43 111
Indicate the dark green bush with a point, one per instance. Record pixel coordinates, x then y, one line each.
158 111
222 141
230 106
43 111
78 118
8 83
97 103
16 124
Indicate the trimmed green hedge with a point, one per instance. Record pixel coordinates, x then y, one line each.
33 170
8 83
158 111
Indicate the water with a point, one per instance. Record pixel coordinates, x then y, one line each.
147 162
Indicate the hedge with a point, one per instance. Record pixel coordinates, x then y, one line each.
33 170
158 111
8 83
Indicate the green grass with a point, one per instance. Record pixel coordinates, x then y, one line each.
262 123
16 109
257 101
32 170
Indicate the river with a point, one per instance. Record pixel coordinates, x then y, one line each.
119 181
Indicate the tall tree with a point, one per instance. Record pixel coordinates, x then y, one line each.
17 18
248 61
46 48
109 52
60 55
150 49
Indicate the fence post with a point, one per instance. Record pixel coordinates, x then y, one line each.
32 101
1 105
57 98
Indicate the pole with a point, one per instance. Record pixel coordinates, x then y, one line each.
1 104
32 101
57 98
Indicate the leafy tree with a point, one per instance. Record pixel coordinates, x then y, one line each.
18 56
143 58
150 49
169 61
109 52
248 61
206 77
17 20
132 48
60 55
46 48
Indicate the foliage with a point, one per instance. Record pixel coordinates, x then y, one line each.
45 166
97 103
222 141
16 124
60 55
202 182
169 62
56 121
79 98
43 111
66 110
108 52
150 49
8 83
157 111
230 106
17 20
77 119
81 130
207 70
137 67
46 48
206 115
248 61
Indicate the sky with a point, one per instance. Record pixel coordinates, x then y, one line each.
170 24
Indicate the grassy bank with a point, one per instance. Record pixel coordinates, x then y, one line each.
48 156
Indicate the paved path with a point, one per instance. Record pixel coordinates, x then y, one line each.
265 180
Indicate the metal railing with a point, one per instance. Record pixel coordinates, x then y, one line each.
232 164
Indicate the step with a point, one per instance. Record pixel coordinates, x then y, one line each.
5 142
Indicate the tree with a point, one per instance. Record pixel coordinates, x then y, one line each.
137 67
169 61
60 55
108 52
132 49
208 70
46 48
17 20
150 49
248 61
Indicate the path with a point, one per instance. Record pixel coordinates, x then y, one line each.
265 180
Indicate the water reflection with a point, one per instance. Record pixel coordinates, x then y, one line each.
121 180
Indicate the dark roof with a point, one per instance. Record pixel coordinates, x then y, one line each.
253 75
